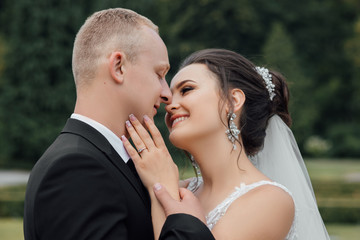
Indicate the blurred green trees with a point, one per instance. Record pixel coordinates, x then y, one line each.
315 44
279 52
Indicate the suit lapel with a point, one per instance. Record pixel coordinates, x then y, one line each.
84 130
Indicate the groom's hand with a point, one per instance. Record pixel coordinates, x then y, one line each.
188 204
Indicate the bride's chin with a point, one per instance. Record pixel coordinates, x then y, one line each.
177 141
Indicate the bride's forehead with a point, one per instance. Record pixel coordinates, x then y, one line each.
195 72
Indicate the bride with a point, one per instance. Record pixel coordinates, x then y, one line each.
232 118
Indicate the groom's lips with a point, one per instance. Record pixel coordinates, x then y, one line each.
156 108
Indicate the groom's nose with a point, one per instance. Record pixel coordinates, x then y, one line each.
166 95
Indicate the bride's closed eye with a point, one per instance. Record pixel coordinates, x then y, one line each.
186 89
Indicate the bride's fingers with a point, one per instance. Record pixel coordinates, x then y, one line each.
154 131
130 150
141 132
184 183
139 144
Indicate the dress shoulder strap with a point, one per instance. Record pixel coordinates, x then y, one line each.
214 215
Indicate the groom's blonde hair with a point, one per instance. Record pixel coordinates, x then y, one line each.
102 33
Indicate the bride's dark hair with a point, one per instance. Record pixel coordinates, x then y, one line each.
235 71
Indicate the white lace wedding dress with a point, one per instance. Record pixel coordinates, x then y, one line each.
214 215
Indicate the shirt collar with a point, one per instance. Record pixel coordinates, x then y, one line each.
114 140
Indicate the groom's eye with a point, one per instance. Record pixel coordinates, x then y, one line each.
160 76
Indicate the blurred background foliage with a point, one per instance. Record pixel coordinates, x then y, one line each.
315 44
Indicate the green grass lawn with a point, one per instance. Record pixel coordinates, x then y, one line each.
11 229
343 232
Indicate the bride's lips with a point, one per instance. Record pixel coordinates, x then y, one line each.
175 119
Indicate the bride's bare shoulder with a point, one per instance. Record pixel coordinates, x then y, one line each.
266 212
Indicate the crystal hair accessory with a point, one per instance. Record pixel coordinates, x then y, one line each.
233 132
264 73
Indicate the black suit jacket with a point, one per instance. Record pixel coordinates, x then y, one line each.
81 189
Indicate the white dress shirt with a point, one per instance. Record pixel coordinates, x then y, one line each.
114 140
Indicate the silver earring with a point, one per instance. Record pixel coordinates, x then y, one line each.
233 132
195 165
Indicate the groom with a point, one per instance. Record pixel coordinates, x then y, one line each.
84 186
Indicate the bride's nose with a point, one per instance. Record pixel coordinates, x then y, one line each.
171 107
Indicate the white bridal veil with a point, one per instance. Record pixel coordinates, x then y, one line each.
281 161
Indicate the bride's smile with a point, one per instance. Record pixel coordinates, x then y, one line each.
176 119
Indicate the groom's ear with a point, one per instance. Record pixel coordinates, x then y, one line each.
237 97
116 66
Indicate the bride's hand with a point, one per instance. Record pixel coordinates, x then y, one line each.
184 183
151 159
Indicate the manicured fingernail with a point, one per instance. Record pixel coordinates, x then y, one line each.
132 117
146 118
128 124
123 138
157 186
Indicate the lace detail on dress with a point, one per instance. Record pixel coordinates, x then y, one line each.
214 215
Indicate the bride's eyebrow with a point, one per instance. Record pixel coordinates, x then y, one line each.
180 84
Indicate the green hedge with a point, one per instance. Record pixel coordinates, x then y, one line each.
336 189
340 214
12 201
339 202
11 208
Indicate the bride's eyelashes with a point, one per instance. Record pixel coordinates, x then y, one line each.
185 90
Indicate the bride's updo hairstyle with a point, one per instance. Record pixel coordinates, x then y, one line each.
235 71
